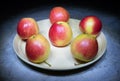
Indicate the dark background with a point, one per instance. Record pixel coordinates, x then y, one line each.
13 69
11 7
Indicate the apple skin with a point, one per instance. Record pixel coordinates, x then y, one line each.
37 48
60 34
91 25
84 47
59 14
27 27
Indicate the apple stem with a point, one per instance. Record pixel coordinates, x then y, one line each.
47 63
76 64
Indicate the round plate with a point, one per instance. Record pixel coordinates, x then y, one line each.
60 58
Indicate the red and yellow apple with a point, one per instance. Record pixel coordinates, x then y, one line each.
60 33
37 48
84 47
90 25
59 14
27 27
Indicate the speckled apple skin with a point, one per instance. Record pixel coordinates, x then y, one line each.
84 47
27 27
91 25
37 48
60 33
59 14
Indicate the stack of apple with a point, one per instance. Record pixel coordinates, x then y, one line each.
37 46
60 32
84 47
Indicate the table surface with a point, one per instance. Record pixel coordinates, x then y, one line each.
14 69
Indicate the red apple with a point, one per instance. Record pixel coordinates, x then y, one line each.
59 14
84 47
91 25
37 48
60 33
27 27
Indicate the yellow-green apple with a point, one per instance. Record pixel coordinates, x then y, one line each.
37 48
59 14
60 33
90 25
27 27
84 47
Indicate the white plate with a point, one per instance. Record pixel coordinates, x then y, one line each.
60 58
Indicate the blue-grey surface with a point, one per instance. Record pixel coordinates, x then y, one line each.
106 69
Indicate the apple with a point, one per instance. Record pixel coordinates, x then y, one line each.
27 27
59 14
91 25
37 48
84 47
60 33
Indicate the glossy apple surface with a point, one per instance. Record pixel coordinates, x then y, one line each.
27 27
60 33
59 14
37 48
84 47
91 25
